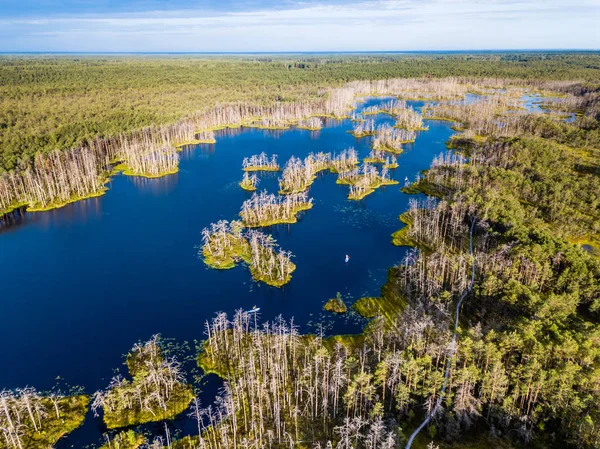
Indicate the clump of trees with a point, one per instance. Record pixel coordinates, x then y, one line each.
364 128
265 209
344 161
299 174
391 139
311 123
260 162
269 263
53 180
375 157
157 391
371 110
391 162
269 123
282 388
249 182
144 158
407 118
33 420
226 243
206 136
365 180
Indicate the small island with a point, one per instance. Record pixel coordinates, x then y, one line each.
265 209
260 162
365 181
249 182
336 305
225 244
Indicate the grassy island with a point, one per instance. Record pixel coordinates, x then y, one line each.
364 129
265 209
336 305
225 245
310 124
249 182
365 181
391 163
260 162
299 174
29 419
375 157
157 391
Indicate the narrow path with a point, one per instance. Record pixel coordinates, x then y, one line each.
452 347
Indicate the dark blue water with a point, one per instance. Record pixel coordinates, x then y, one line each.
82 284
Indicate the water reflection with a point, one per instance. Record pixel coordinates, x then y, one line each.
156 186
80 212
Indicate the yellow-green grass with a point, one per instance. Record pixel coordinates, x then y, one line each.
413 128
178 402
374 160
273 282
335 305
387 149
306 186
309 128
275 221
269 127
72 414
130 172
239 250
125 440
363 134
388 305
248 186
371 189
179 146
360 195
590 241
402 237
257 168
59 204
219 128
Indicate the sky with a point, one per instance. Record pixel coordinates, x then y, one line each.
291 25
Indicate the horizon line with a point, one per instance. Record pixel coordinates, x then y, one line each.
503 50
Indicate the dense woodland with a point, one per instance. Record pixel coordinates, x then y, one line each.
516 204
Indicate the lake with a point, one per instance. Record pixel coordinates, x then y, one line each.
82 284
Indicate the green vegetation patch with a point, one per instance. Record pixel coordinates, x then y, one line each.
125 440
336 305
72 410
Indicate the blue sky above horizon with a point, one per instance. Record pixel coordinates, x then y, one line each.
290 25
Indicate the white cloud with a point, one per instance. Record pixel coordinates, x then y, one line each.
370 25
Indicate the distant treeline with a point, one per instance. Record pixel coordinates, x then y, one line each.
62 102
